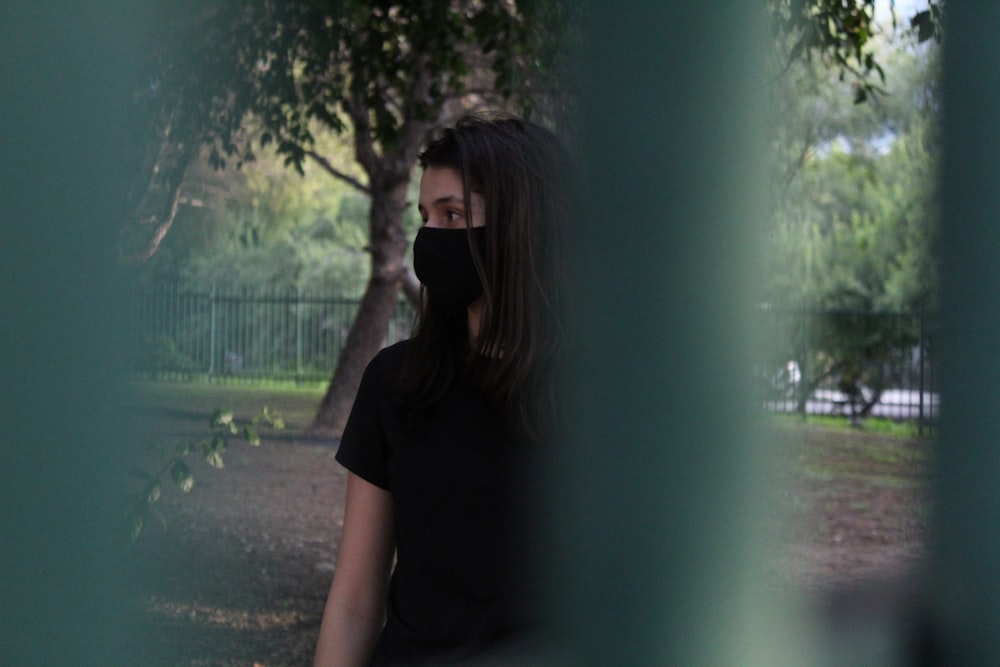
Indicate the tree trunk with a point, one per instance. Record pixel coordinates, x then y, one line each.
367 334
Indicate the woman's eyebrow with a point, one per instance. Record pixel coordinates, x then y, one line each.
447 199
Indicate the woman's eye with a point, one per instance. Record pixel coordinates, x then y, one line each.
452 216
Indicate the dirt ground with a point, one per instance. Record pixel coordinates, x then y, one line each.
239 574
852 506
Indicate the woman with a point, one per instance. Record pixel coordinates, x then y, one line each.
439 440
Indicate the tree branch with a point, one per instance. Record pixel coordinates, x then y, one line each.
796 165
364 144
164 225
336 173
173 179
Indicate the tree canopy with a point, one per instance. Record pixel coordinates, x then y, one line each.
843 35
854 213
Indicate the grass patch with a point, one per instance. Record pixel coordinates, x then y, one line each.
297 403
908 429
825 449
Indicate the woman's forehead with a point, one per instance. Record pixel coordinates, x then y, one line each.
440 179
442 185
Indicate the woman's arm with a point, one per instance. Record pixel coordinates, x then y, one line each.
355 607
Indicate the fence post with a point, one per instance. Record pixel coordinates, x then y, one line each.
211 331
965 572
804 369
921 350
656 557
67 442
298 333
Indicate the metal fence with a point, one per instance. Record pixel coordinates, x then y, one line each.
856 364
277 334
815 361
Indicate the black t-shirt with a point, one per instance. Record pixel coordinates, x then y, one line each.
456 475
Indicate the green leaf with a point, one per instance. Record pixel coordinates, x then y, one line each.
218 444
860 94
924 24
251 435
221 418
153 493
181 474
214 459
274 419
136 528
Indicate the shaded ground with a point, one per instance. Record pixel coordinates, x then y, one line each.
239 574
854 505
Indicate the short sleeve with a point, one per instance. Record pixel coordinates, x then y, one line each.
363 448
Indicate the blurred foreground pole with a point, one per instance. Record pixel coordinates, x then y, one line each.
658 530
65 85
965 566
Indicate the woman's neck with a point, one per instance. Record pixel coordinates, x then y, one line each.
475 318
475 314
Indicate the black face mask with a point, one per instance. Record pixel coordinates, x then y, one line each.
443 262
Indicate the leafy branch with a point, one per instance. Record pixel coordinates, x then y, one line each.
140 507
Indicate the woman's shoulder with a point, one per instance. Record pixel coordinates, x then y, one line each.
389 360
395 353
383 370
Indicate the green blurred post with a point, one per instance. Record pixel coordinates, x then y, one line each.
965 569
659 540
65 83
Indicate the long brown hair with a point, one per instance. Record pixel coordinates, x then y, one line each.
520 170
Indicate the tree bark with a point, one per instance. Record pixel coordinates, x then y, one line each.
389 172
388 273
411 287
